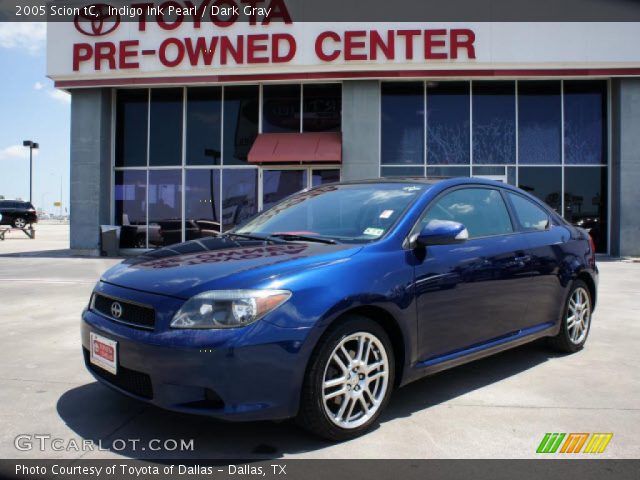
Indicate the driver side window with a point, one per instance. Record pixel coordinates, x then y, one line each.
481 210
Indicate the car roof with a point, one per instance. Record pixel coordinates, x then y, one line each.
445 181
420 180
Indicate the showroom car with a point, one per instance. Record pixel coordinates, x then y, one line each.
319 307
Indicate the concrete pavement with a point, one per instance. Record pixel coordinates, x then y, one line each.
499 407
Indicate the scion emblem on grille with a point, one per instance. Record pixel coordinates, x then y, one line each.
116 310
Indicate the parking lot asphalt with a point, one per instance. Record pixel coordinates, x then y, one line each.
499 407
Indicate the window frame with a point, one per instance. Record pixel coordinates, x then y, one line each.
431 204
514 213
514 170
184 166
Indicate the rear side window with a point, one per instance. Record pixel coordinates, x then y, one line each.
530 216
481 210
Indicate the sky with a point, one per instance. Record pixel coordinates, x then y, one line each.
31 109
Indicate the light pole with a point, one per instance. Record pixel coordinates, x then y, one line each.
31 144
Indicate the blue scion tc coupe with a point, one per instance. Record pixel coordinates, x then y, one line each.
320 306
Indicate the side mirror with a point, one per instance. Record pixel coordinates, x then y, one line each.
441 232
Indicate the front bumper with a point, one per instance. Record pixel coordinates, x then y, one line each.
250 373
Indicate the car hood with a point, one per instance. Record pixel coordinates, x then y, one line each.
189 268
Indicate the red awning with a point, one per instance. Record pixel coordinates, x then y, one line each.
325 147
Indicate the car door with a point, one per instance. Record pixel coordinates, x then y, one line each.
544 250
471 292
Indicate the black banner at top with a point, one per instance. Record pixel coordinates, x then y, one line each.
230 11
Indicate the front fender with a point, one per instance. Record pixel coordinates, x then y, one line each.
378 284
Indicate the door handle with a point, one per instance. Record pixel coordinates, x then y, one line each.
523 259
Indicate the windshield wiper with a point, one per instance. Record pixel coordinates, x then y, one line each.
266 238
304 238
281 237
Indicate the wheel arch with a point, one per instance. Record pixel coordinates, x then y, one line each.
390 325
588 279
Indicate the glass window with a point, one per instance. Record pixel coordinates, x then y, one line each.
585 201
490 171
165 142
481 210
202 203
543 182
494 122
281 108
239 196
165 207
240 123
320 177
585 122
448 114
448 172
402 172
322 107
402 123
204 113
132 112
530 216
356 213
539 123
279 184
130 195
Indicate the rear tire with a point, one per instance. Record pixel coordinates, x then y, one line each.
349 380
576 320
19 222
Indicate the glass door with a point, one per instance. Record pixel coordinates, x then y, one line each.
279 183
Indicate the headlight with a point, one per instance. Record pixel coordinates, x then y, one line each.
228 308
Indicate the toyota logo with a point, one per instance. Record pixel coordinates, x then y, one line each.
116 310
97 20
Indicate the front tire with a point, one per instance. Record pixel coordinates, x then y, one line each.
349 380
576 320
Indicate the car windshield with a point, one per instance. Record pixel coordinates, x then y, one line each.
345 213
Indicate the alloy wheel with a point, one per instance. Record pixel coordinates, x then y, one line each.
355 380
19 222
578 315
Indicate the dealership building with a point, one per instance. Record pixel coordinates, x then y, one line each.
184 127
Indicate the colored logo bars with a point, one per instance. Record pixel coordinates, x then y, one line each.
573 443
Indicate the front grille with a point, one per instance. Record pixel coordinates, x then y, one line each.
131 313
131 381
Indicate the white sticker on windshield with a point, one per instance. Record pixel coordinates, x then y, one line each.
412 188
386 214
376 232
